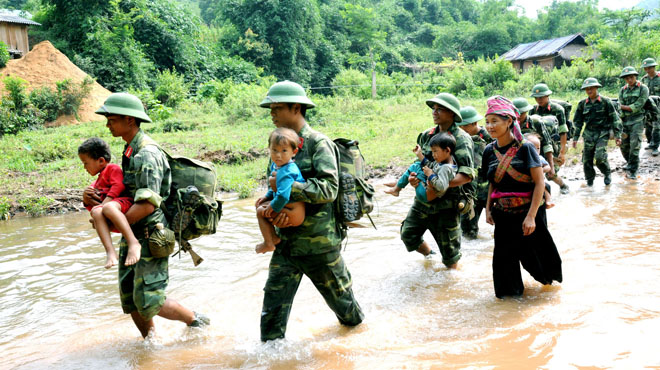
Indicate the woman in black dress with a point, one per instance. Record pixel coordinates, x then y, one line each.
515 204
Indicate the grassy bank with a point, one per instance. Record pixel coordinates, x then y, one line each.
40 171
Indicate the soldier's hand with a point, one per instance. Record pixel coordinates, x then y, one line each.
413 180
260 201
91 197
618 142
269 213
551 173
281 220
272 181
561 159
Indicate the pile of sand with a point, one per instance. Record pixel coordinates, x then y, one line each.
43 66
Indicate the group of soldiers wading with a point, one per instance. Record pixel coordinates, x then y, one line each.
313 248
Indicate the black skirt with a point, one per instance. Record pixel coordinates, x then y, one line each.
536 252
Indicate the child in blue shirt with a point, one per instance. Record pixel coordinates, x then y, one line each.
283 145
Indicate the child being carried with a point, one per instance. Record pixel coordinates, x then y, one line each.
283 146
109 215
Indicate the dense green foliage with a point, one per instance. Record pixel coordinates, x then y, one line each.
130 44
20 111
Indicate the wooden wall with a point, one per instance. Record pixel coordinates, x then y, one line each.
15 36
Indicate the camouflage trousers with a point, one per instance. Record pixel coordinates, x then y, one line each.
595 147
142 286
470 226
652 132
443 225
631 142
330 277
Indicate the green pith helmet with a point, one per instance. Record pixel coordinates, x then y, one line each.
469 115
123 104
522 105
590 82
630 70
286 92
540 90
448 101
649 62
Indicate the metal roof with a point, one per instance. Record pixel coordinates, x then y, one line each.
8 18
541 48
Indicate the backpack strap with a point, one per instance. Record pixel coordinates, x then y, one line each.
505 166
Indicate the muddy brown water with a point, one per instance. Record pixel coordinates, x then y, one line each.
60 307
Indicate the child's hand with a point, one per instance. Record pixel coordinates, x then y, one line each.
427 171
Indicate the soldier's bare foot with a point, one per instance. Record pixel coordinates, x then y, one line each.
264 248
110 260
393 191
549 205
390 184
453 267
133 255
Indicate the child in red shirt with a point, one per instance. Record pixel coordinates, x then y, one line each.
109 215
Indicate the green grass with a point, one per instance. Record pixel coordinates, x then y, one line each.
35 163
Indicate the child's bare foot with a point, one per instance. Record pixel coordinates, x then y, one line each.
264 248
393 191
390 184
134 254
110 260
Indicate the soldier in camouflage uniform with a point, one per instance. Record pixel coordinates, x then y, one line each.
535 124
632 98
480 138
147 179
441 215
544 107
652 123
313 248
598 116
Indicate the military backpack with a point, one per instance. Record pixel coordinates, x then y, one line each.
355 197
567 114
192 209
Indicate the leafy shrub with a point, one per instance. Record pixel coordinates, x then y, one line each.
177 125
47 101
16 88
217 90
72 95
35 206
4 55
352 82
5 206
171 88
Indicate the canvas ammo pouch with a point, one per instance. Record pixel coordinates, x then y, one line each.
161 241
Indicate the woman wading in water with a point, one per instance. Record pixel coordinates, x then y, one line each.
515 204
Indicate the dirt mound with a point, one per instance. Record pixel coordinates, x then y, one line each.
43 66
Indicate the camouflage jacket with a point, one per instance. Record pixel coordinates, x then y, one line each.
635 98
552 109
147 177
463 160
652 83
596 115
317 160
479 141
538 127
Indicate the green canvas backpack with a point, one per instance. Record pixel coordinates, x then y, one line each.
567 114
355 198
192 209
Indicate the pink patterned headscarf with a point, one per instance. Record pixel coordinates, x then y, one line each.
504 107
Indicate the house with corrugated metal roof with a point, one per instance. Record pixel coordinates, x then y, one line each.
548 54
13 32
